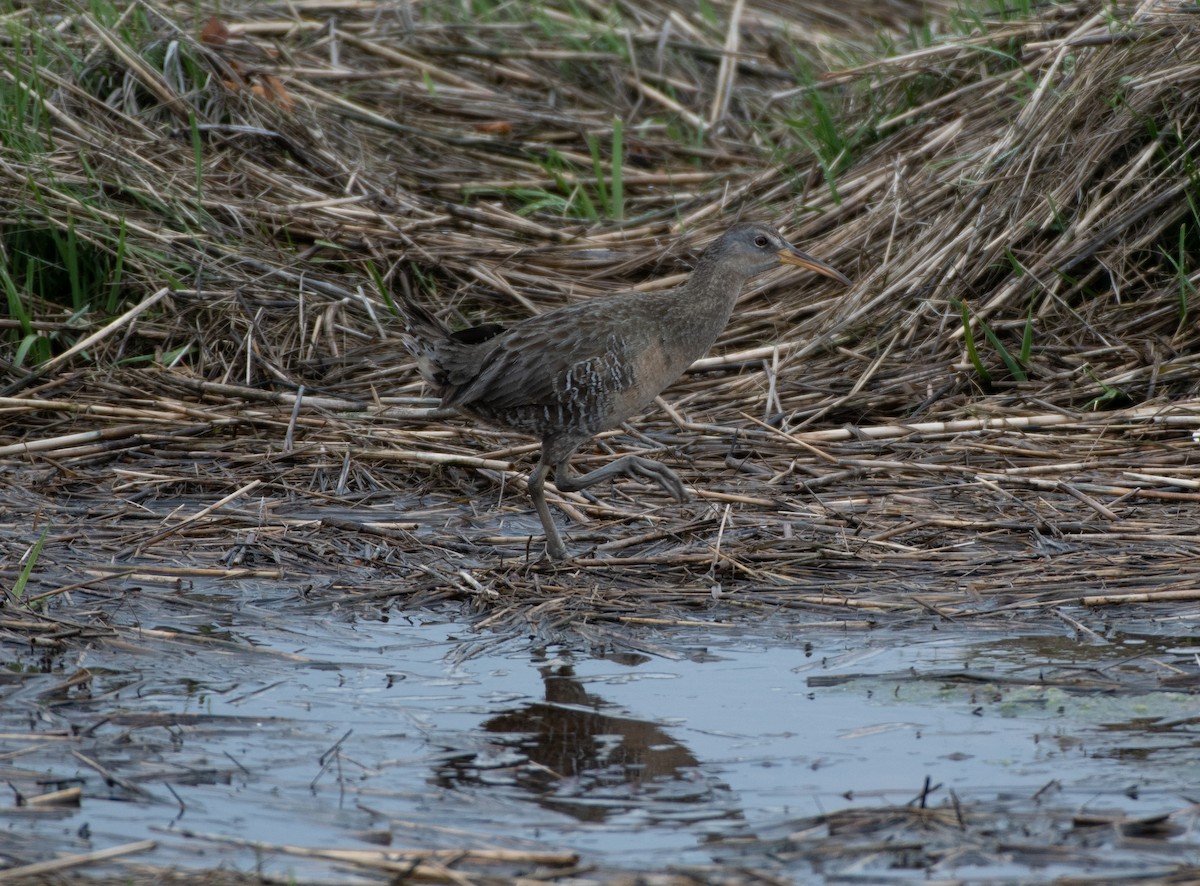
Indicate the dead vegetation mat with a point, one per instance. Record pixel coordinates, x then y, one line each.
271 175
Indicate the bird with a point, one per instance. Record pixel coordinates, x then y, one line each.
566 375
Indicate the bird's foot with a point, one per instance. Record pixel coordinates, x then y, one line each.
648 469
556 551
630 466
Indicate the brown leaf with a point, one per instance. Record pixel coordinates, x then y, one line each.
215 32
277 92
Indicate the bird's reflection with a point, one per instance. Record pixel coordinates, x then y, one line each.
580 756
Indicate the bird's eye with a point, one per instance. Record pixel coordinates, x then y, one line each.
760 241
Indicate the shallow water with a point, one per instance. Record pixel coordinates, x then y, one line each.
352 728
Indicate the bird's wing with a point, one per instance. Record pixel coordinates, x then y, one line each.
547 361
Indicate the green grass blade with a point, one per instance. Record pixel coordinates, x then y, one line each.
18 588
617 207
969 340
1014 367
1110 395
382 288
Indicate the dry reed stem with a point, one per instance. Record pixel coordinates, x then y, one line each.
79 860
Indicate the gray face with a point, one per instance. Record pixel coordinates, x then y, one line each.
754 248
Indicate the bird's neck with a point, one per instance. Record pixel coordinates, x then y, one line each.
702 307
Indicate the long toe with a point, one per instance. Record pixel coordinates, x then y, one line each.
662 475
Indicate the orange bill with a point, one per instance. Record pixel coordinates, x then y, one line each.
793 256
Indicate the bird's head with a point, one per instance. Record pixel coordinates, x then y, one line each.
754 248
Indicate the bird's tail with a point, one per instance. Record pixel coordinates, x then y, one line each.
424 337
446 359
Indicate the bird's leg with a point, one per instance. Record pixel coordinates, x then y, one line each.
537 481
630 466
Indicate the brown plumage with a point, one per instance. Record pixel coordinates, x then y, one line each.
568 374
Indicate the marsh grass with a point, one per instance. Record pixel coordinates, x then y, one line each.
205 221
